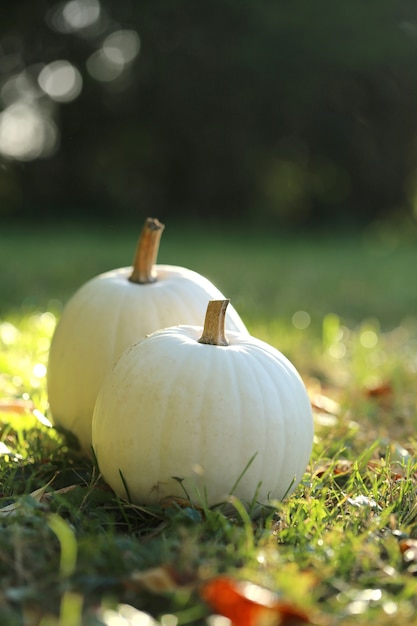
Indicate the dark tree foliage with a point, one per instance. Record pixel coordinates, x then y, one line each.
297 112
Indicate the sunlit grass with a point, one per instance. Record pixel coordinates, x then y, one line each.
332 548
73 554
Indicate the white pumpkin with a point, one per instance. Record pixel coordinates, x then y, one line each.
193 406
107 315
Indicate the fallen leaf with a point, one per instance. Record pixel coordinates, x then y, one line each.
48 495
248 604
325 404
341 468
381 390
16 406
161 579
157 580
408 548
37 495
395 471
408 544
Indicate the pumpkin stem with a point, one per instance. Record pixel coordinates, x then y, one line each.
147 252
213 331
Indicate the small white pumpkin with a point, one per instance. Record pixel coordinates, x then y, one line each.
191 405
107 315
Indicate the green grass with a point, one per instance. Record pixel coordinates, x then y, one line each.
74 550
266 275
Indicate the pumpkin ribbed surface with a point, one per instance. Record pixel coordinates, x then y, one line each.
103 318
173 407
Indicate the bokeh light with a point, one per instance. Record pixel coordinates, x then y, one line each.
301 319
26 133
61 81
74 16
121 46
110 61
20 86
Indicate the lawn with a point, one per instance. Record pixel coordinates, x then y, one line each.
341 550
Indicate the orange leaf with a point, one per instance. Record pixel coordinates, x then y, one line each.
247 604
408 544
408 548
16 406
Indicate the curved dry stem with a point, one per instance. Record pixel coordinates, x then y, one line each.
147 252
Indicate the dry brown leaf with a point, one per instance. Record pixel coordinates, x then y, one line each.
16 406
182 503
325 404
341 468
48 495
382 390
161 579
37 495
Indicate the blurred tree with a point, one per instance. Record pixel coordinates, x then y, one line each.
297 111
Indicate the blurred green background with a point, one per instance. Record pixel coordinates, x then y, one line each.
300 113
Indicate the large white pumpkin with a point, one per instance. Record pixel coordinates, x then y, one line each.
197 407
107 315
